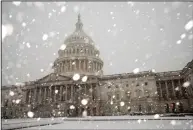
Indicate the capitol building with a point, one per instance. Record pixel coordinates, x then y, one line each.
78 85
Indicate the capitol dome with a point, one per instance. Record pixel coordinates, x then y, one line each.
79 55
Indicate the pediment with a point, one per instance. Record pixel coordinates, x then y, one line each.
53 77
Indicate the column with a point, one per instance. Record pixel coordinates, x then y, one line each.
80 65
64 66
161 95
173 89
95 66
91 111
61 92
40 92
71 92
180 87
91 92
66 93
35 92
167 94
45 94
50 94
29 96
85 88
54 93
84 65
70 65
25 96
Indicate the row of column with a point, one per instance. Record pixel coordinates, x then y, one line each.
76 51
170 89
59 93
84 65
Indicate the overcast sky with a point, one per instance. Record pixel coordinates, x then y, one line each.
129 35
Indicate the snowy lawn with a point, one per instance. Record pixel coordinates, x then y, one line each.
102 122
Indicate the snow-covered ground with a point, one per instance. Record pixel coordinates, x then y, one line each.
114 122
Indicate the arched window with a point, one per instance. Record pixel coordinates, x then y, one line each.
138 93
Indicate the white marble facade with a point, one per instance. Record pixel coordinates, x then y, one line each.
121 94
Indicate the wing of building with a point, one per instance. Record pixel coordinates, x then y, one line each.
78 84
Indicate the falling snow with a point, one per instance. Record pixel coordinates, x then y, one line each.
17 3
136 70
76 77
63 9
30 114
63 47
84 101
189 25
84 79
11 93
186 84
45 37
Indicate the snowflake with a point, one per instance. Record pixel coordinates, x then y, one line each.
11 93
136 70
179 42
17 3
189 25
23 24
153 70
7 30
28 44
130 3
56 91
186 84
177 103
17 101
63 47
72 107
42 70
45 37
76 77
30 114
84 79
122 103
84 101
38 119
139 121
156 116
173 122
63 9
183 36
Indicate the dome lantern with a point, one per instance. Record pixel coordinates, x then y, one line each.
79 24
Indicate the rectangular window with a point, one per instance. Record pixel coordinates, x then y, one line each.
118 97
109 97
